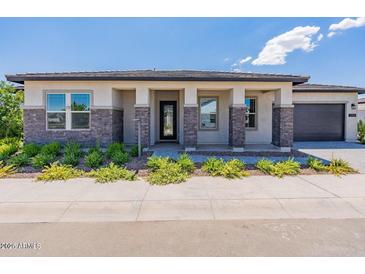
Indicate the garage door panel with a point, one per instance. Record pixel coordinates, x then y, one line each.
319 122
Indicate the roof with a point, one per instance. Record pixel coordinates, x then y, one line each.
361 101
157 75
326 88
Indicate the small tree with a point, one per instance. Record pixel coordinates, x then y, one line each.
11 114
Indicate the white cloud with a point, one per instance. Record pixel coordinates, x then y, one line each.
320 37
345 24
348 23
237 66
245 60
226 59
276 49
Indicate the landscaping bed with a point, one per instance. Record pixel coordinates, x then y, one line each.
55 162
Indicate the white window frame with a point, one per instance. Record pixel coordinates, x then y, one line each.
251 113
216 113
57 111
68 110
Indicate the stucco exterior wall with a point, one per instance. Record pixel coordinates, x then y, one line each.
128 101
34 91
361 112
219 136
335 97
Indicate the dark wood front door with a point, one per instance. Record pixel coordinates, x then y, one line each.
168 120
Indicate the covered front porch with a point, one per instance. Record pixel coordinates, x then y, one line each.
208 117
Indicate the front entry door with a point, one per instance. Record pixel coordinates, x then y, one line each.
168 120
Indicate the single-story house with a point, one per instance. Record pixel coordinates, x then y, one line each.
186 107
361 109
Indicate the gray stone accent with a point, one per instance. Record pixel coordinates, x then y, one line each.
102 129
117 124
190 126
282 126
143 113
237 128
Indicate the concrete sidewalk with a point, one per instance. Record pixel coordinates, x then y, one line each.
201 198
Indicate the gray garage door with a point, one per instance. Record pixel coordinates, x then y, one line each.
319 122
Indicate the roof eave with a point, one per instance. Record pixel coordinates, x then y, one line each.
22 79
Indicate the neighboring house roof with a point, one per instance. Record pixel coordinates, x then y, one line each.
157 75
326 88
361 101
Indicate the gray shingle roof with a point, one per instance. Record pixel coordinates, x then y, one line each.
326 88
157 75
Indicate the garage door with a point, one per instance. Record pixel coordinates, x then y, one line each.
319 122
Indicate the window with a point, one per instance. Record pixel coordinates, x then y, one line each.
80 111
60 115
56 111
208 113
250 121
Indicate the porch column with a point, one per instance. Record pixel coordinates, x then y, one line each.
142 112
283 118
237 113
190 118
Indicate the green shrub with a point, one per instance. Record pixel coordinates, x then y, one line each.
31 149
316 164
56 171
6 150
94 159
340 167
155 162
361 131
265 165
279 169
288 167
21 159
53 148
72 154
120 157
73 148
42 160
113 149
186 163
167 173
10 140
134 151
71 159
213 166
111 173
233 169
6 170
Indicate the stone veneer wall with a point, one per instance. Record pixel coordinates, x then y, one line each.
282 126
143 113
190 126
117 125
237 129
101 128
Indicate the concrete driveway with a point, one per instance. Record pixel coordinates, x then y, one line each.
201 198
354 153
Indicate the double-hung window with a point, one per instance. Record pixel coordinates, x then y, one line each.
251 113
56 111
68 111
80 111
208 110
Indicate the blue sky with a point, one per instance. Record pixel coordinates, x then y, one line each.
73 44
